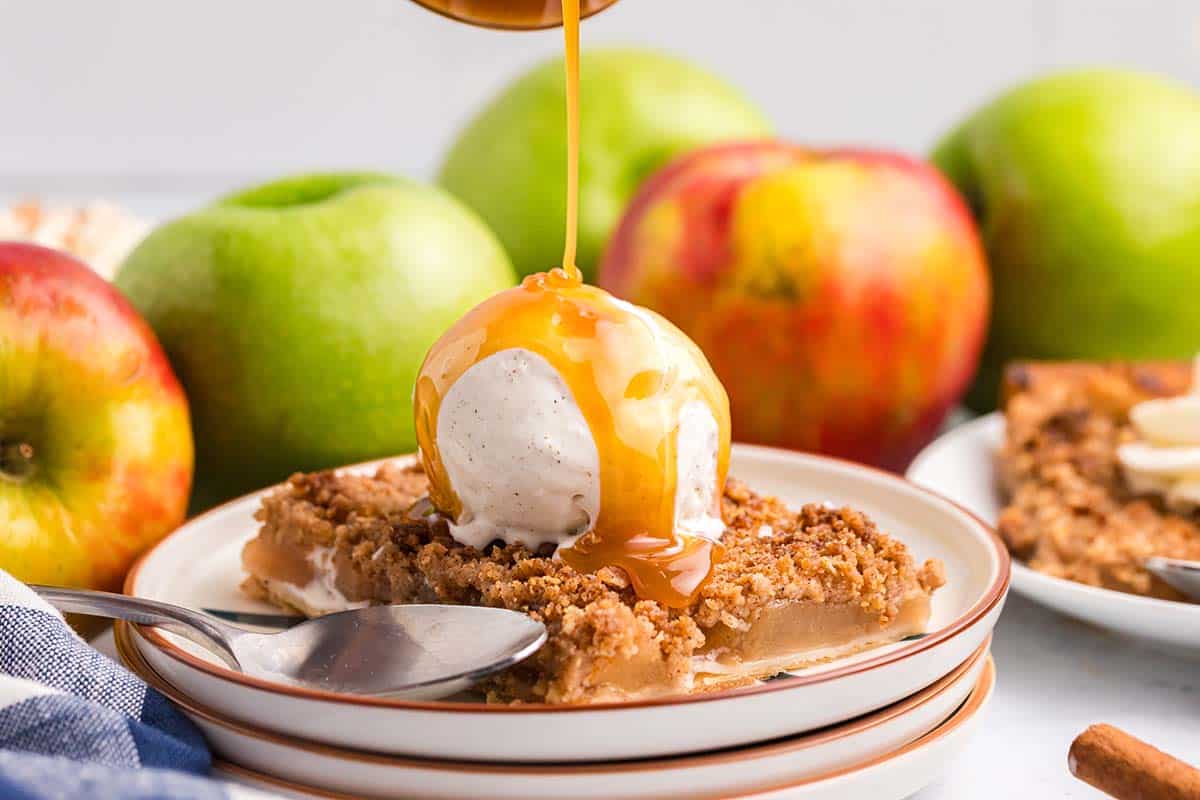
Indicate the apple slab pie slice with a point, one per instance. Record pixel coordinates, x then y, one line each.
794 588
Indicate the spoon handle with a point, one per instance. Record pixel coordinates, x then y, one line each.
194 625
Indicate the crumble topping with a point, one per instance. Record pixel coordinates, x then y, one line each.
1071 513
399 552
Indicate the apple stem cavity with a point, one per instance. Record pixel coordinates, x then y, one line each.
16 461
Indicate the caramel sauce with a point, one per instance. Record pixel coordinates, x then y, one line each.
570 16
629 370
512 14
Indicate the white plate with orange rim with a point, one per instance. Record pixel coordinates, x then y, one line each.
199 566
961 465
720 774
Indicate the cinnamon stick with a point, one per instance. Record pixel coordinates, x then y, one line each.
1129 769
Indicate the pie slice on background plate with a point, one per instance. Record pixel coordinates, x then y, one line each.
1047 477
1071 511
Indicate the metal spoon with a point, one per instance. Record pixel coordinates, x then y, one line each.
414 652
1183 575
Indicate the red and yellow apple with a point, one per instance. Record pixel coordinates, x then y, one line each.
841 295
95 440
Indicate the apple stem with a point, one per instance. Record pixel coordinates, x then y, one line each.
16 460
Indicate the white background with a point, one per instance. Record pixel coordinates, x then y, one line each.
167 101
161 103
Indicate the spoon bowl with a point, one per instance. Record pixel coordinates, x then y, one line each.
415 652
411 652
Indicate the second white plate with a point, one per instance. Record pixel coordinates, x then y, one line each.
961 465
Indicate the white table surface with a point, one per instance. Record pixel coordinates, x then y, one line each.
1055 677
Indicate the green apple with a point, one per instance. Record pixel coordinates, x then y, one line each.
297 315
638 109
1086 186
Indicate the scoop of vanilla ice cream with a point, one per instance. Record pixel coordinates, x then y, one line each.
1166 459
519 453
524 464
696 472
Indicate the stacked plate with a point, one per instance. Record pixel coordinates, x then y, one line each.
880 724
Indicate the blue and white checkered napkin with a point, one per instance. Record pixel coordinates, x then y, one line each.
73 724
